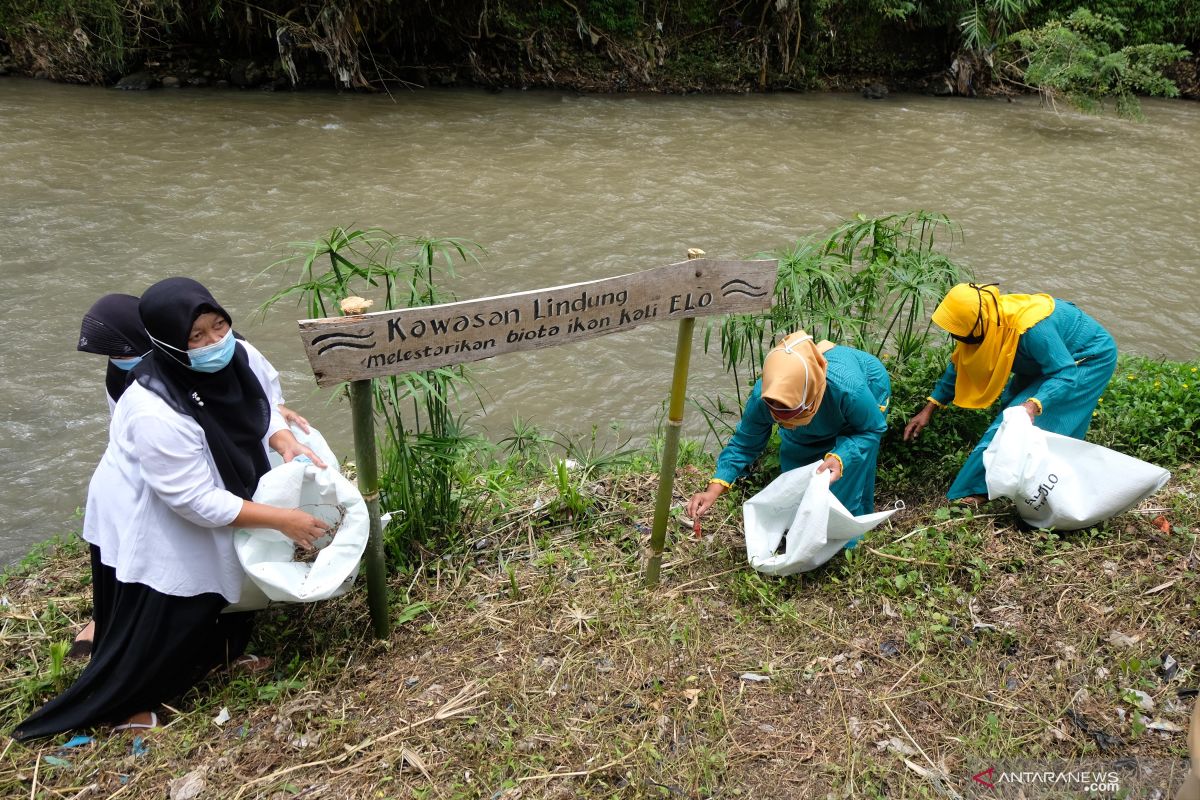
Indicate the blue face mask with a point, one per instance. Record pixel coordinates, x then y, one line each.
125 363
213 357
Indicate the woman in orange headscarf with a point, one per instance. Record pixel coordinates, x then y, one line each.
1029 350
830 403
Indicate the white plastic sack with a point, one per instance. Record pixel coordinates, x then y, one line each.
799 505
268 556
1063 483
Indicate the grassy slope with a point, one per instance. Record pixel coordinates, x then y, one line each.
532 664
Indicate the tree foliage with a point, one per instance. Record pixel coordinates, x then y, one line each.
1082 60
605 45
984 25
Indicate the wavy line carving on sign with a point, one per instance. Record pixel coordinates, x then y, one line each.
738 286
337 340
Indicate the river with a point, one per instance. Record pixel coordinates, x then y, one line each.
105 191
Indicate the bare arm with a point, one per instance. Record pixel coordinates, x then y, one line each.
299 526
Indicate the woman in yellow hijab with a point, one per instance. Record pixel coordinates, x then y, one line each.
830 403
1029 350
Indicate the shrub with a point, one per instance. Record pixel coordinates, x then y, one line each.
867 283
934 458
1081 59
1151 410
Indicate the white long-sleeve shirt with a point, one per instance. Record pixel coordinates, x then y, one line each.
157 507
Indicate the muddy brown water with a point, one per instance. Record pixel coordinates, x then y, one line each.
107 191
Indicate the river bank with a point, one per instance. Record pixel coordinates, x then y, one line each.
266 75
238 71
528 662
594 46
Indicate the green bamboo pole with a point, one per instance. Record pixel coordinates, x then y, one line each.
363 418
666 470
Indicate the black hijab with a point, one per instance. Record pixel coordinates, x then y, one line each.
112 327
230 404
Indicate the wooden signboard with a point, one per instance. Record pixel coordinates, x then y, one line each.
414 339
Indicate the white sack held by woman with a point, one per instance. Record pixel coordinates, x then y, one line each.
1063 483
273 574
799 505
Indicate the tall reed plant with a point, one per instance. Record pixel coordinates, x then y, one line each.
422 443
870 283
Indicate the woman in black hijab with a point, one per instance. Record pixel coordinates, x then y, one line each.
184 457
113 328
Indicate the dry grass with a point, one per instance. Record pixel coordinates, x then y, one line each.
531 664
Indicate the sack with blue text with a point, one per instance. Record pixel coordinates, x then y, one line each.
1063 483
798 510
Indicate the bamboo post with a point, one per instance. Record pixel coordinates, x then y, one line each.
363 419
666 470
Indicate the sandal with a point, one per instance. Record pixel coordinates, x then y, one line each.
130 726
250 663
970 501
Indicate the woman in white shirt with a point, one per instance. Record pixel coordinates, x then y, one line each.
185 453
112 327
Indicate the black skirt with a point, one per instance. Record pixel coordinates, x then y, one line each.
149 648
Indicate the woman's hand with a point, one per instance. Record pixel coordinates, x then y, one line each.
299 526
293 418
701 502
917 424
833 465
1032 409
287 445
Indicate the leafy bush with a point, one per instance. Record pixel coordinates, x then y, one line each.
1151 410
616 16
1145 21
1081 59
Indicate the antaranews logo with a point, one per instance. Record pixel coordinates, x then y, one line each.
985 778
1097 779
